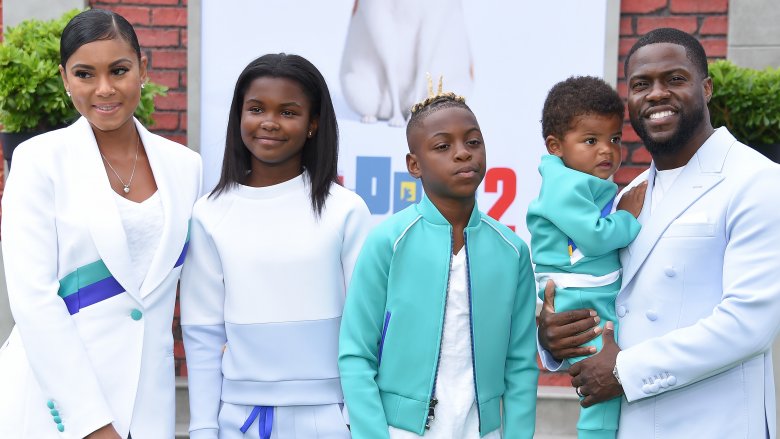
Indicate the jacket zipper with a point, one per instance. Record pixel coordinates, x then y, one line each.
382 340
433 401
471 326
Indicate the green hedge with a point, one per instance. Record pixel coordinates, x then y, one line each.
746 101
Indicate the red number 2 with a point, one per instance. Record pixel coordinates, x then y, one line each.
508 181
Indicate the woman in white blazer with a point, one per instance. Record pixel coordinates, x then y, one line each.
95 229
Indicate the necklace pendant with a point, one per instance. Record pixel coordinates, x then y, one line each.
126 189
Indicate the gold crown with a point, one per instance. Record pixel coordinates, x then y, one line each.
433 96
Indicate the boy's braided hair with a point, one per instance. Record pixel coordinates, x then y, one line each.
434 102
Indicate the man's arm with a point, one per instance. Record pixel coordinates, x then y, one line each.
561 335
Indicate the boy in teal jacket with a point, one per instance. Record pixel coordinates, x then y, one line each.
574 236
441 292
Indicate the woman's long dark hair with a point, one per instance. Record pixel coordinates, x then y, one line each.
320 152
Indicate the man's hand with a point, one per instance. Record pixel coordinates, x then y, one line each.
593 376
563 333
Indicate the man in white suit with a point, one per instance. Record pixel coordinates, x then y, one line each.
700 300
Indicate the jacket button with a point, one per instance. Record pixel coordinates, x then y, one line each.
621 311
646 388
50 404
661 382
671 380
60 427
57 420
136 314
55 412
651 315
654 387
670 271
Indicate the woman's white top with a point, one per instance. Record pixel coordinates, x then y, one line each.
143 223
456 411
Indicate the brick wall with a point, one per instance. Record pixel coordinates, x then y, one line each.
705 19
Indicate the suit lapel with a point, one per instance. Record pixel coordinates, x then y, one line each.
174 233
702 173
101 213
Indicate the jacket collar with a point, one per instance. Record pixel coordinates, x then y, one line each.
702 172
102 214
431 213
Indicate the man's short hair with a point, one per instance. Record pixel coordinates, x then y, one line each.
693 48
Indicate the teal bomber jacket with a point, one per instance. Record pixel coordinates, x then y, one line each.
392 323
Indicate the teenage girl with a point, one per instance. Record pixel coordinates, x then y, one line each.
272 252
94 233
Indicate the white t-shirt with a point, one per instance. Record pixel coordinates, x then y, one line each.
663 181
143 224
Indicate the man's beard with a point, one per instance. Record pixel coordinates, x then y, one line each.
690 121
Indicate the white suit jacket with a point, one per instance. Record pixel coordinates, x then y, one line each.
90 347
700 303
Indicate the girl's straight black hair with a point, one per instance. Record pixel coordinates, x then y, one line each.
320 152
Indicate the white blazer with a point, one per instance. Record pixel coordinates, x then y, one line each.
700 303
70 365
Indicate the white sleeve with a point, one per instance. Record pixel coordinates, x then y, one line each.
744 323
55 351
357 224
202 299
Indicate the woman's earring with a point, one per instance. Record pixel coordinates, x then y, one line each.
310 134
67 92
143 85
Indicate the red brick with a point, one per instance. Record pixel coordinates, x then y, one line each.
175 100
627 174
623 154
715 48
717 25
169 59
641 156
134 14
176 138
626 26
621 69
183 80
158 37
625 45
688 6
557 379
687 24
169 17
178 349
168 78
641 6
183 120
184 40
629 135
166 120
156 2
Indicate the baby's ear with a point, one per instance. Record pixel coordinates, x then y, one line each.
553 145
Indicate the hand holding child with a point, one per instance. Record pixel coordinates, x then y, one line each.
632 200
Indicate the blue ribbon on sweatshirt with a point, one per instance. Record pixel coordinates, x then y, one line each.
264 424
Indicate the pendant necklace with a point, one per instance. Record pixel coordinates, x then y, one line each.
125 187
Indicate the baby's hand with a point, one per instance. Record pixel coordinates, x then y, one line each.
632 200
